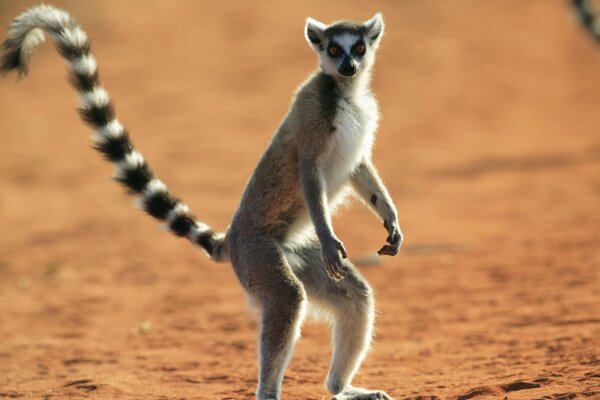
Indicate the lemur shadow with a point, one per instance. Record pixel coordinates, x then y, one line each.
526 163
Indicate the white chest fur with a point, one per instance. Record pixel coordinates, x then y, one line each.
351 142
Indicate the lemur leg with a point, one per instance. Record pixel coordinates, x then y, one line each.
349 304
281 300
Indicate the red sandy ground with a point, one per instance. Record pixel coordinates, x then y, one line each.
489 144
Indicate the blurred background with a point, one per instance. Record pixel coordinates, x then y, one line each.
489 145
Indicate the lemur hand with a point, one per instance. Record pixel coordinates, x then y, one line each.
334 265
394 238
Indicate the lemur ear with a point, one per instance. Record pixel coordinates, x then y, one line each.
314 31
374 29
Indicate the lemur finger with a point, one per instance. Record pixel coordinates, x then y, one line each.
337 266
390 237
391 231
333 270
382 252
338 275
340 269
342 250
330 273
388 250
395 238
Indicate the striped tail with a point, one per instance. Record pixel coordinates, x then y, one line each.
588 17
110 138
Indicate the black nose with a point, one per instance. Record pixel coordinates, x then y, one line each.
348 67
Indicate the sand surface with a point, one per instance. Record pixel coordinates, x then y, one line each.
489 144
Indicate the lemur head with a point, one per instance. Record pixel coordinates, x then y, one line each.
345 48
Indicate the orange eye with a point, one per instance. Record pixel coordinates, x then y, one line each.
333 51
360 49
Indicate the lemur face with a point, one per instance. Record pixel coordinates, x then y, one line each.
345 48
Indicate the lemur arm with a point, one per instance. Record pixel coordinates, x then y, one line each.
315 196
368 185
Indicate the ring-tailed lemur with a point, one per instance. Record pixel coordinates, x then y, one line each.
588 17
281 241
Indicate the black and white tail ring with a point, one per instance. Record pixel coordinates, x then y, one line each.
95 107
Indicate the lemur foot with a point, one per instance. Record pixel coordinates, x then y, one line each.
352 393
